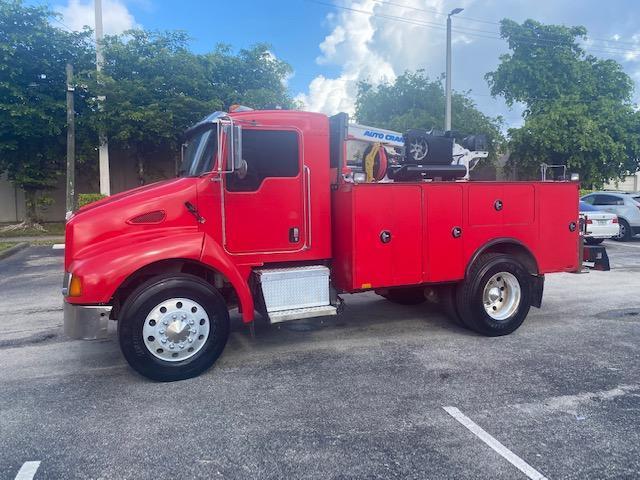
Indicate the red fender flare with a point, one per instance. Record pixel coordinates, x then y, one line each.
214 256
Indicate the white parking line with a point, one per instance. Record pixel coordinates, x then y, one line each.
58 246
27 471
511 457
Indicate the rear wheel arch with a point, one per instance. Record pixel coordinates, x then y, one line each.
507 246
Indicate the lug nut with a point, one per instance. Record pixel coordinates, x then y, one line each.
184 317
165 322
161 331
191 322
181 345
163 340
171 345
193 330
174 316
190 340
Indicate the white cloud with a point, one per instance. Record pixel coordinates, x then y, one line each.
377 49
116 17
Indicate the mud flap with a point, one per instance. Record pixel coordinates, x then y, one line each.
595 257
537 288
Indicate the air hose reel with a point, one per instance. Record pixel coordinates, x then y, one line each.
375 162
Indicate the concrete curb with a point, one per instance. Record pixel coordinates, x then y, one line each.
15 249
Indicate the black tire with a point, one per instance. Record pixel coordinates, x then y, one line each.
469 295
593 241
406 296
447 303
144 299
625 231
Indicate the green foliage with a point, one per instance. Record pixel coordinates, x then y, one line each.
415 101
87 198
577 107
156 88
33 56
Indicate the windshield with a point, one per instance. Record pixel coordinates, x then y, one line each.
199 154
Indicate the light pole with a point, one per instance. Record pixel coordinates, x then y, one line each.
447 114
103 149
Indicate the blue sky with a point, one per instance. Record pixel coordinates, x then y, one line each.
332 47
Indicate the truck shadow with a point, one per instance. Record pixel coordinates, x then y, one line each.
364 315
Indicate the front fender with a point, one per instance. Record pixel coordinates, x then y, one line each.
215 256
108 264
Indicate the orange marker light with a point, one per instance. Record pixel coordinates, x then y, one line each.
75 287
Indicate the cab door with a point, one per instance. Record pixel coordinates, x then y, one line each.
264 207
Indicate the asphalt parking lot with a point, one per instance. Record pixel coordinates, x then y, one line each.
360 396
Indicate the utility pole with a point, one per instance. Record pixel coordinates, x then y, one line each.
447 113
71 143
103 152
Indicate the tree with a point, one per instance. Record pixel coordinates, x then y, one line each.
578 109
156 88
33 56
415 101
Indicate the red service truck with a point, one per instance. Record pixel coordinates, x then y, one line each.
280 212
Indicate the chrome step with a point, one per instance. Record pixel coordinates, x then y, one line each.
300 313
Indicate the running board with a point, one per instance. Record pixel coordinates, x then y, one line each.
300 313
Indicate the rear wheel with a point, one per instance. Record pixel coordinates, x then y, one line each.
625 231
173 327
593 241
406 296
495 297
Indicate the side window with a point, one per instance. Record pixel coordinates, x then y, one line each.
589 199
608 200
268 153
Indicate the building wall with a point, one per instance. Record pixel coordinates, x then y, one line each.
630 183
124 176
11 202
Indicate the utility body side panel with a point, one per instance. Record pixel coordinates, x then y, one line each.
437 228
442 257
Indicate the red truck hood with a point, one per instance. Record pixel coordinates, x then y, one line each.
104 223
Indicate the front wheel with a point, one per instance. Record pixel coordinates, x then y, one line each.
495 297
173 327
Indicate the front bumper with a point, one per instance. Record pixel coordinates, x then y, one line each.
86 322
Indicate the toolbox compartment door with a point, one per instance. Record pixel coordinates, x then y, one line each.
388 235
443 253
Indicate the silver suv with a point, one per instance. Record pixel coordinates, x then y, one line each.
625 205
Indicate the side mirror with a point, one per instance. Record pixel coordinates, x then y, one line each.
234 147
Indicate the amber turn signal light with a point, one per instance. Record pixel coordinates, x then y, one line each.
75 287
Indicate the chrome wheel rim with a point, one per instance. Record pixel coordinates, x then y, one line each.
501 296
176 329
621 231
418 150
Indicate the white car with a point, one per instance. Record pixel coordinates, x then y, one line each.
625 205
598 225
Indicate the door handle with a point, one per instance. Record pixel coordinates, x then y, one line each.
294 235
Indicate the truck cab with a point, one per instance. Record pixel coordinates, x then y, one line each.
273 213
